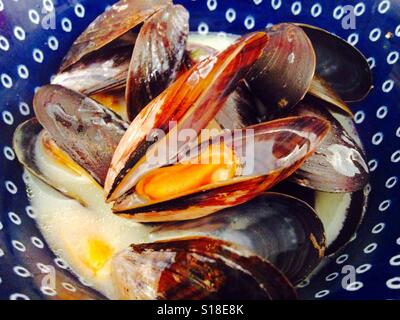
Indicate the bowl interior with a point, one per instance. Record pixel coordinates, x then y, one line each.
36 34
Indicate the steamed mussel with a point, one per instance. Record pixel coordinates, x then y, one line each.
184 136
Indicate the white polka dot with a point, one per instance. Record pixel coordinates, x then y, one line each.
377 138
68 286
23 71
353 39
66 24
249 22
316 10
321 294
30 212
1 253
48 5
363 268
22 272
388 85
398 132
19 296
34 16
371 62
341 259
338 12
384 6
6 81
381 112
18 245
332 276
202 28
48 291
393 283
384 205
397 31
257 2
372 165
53 43
230 15
24 108
392 57
398 241
304 283
14 218
1 226
370 248
359 9
359 117
212 5
1 5
38 243
354 286
378 228
375 34
395 260
43 268
19 33
38 55
296 8
276 4
391 182
79 10
11 187
61 263
4 44
9 153
395 157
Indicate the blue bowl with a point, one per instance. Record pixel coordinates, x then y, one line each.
36 34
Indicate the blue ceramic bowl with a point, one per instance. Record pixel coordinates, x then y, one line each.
30 53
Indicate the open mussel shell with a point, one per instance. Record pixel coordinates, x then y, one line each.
102 71
111 25
279 228
84 129
196 268
340 213
340 64
339 164
157 56
266 154
283 74
28 144
191 102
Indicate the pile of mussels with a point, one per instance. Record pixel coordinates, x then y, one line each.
290 84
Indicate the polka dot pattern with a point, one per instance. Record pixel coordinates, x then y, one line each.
372 257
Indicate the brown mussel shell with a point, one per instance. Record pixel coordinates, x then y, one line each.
157 56
279 228
269 152
339 64
102 71
340 220
196 268
109 26
283 74
339 164
192 101
84 129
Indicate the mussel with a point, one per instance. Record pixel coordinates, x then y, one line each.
339 64
196 268
339 164
283 74
340 213
87 131
110 26
279 228
157 56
